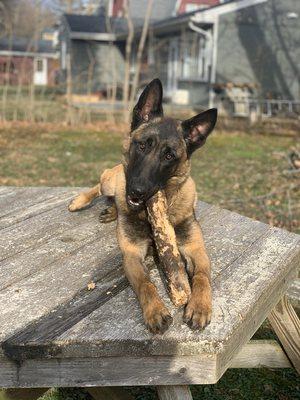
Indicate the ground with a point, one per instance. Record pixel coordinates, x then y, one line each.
247 173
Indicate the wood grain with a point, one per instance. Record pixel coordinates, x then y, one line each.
261 353
174 392
286 325
170 259
75 337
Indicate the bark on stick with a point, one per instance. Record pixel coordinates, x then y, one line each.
166 245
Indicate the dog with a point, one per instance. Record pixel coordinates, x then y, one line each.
157 156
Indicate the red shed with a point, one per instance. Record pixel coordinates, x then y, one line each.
23 62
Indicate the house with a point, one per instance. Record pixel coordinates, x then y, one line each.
204 51
23 62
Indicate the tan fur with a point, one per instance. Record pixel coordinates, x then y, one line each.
181 198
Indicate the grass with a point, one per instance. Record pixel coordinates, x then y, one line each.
242 172
245 173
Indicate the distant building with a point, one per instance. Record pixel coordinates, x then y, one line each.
23 62
203 50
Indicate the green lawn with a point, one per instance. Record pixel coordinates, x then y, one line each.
247 173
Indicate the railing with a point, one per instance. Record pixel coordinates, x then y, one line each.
265 107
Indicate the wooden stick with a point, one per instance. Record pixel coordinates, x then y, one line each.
169 256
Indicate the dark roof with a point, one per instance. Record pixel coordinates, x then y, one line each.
86 23
26 45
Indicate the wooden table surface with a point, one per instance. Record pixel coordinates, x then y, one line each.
54 331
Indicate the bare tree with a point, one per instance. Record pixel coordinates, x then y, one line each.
128 51
140 52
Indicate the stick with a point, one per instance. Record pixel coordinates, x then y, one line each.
169 256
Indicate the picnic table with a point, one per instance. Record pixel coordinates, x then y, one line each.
70 319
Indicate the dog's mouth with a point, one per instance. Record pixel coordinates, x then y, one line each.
134 202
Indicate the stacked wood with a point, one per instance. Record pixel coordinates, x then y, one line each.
170 259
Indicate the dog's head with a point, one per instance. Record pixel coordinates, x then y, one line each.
160 148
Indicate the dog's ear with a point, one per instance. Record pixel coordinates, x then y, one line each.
197 129
149 105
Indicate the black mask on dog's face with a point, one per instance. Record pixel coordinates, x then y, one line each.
159 145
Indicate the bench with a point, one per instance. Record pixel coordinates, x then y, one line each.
69 318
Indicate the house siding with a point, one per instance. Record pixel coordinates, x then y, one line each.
21 71
260 45
96 65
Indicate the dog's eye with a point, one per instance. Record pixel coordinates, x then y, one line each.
142 146
169 156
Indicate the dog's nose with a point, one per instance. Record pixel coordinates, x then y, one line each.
138 192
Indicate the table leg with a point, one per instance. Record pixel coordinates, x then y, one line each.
174 393
22 394
286 325
111 393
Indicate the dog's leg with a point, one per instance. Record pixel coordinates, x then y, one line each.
84 199
198 310
110 213
156 316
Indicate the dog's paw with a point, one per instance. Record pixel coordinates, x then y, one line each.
78 203
197 313
108 215
157 318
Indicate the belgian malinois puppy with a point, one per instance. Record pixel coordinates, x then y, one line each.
157 156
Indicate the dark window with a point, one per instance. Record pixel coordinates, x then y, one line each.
7 67
39 65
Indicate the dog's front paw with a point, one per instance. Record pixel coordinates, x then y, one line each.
108 215
78 203
197 313
157 318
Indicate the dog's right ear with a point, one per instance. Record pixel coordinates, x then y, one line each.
149 105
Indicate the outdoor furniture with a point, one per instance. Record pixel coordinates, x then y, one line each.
69 317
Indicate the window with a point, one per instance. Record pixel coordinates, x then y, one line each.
7 67
63 55
39 65
195 58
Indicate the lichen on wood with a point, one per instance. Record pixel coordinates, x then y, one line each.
169 256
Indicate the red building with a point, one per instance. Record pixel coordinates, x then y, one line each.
23 64
184 6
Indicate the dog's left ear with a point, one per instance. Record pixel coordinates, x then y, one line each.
149 104
197 129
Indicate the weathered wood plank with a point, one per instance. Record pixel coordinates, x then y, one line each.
55 316
174 392
108 371
286 325
293 293
115 339
7 189
261 353
263 277
130 370
32 202
39 294
230 313
125 331
60 242
35 294
35 231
